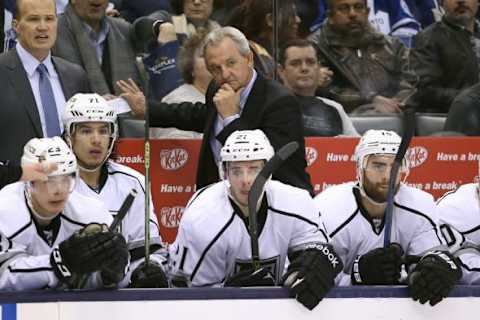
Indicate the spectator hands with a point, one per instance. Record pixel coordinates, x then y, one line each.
166 33
386 105
134 96
37 171
324 77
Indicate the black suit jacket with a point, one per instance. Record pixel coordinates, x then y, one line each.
19 118
269 107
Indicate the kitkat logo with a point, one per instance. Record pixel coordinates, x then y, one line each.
416 156
170 216
311 155
173 159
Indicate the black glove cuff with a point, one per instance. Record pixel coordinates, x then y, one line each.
355 275
62 272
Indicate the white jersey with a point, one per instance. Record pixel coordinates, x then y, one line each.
120 180
354 233
213 241
25 249
459 215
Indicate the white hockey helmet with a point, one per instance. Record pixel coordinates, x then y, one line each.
376 142
246 145
53 150
88 107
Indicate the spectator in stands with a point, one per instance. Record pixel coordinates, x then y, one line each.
197 78
34 85
131 10
254 19
425 11
299 70
239 98
445 56
464 114
370 70
386 16
170 31
102 45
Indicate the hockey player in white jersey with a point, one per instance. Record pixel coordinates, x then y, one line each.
212 247
459 215
353 214
50 235
91 131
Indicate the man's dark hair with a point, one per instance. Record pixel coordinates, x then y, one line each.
330 3
300 43
177 5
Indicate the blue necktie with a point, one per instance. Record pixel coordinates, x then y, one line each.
48 102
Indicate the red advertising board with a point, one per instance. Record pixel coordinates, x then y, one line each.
438 165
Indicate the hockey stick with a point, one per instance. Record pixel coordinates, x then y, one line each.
408 131
256 192
122 212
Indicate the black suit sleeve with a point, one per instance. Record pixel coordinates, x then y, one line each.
184 116
282 123
9 173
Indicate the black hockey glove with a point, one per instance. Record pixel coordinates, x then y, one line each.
380 266
84 251
251 278
148 276
434 277
312 273
115 268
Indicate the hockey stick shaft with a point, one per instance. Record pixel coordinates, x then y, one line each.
409 130
256 192
122 212
147 188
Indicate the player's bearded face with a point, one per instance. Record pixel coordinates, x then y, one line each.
241 175
376 176
90 143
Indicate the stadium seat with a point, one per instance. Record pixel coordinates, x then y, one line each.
364 123
429 123
131 128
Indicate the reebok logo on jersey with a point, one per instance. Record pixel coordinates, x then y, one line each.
331 256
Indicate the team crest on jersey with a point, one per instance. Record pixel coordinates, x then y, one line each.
271 264
311 155
173 159
416 156
170 216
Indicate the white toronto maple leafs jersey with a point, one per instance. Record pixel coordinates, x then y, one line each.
213 240
119 182
354 233
25 250
459 215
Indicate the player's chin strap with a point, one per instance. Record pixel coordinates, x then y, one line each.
28 196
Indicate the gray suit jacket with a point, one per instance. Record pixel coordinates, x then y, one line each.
119 64
19 118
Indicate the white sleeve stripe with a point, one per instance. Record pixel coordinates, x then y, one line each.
344 224
422 215
129 175
20 230
225 227
471 230
297 216
467 267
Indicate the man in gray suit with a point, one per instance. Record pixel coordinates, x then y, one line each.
102 45
27 111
